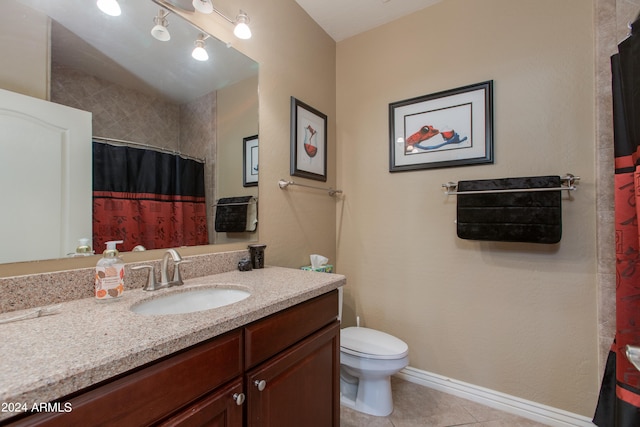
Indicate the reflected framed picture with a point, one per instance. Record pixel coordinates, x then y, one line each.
250 161
308 141
444 129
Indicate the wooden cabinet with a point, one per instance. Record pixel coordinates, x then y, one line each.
222 408
152 393
279 371
293 362
299 387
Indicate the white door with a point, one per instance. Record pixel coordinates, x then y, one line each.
46 176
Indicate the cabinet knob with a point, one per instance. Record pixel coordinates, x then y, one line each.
260 384
238 398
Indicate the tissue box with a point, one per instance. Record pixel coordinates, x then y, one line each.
323 269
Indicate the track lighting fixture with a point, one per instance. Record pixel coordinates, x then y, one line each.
199 52
203 6
241 30
159 30
110 7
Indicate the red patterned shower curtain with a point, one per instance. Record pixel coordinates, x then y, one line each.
145 197
619 403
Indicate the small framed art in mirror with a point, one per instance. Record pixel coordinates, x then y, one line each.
250 161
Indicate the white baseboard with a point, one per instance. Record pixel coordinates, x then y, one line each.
494 399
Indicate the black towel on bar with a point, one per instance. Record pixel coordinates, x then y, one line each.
534 217
231 214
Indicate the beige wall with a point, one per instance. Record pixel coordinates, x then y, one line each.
240 120
25 42
516 318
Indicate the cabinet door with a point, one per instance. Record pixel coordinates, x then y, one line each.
53 143
269 336
222 408
300 386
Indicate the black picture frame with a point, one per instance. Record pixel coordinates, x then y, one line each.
444 129
250 161
308 141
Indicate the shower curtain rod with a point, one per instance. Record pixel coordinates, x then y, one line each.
568 180
121 142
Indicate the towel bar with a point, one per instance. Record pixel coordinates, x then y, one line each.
284 184
250 202
568 180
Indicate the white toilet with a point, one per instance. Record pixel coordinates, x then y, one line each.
368 358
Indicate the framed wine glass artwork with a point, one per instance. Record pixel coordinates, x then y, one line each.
308 141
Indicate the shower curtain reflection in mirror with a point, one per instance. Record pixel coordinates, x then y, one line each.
145 197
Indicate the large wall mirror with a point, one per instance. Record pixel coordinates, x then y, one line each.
144 94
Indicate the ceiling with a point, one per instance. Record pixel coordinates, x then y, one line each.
342 19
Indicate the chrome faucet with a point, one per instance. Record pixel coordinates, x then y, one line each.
164 271
152 285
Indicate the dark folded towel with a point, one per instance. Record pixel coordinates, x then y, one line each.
534 217
231 214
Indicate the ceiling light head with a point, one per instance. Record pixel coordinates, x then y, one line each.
203 6
160 31
242 30
199 52
110 7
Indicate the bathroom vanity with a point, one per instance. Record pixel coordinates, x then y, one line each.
269 360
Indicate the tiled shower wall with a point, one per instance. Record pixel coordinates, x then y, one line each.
198 137
118 112
130 115
611 26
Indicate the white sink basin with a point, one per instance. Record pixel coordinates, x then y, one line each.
190 301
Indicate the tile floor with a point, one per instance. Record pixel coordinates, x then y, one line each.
418 406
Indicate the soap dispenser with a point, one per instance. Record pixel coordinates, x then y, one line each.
83 248
109 281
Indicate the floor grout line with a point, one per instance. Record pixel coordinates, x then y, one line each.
417 405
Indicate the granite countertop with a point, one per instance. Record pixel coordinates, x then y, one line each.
49 357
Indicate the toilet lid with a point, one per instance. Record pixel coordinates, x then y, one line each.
372 344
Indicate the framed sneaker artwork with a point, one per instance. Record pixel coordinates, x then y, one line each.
308 141
449 128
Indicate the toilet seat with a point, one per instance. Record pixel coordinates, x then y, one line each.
372 344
